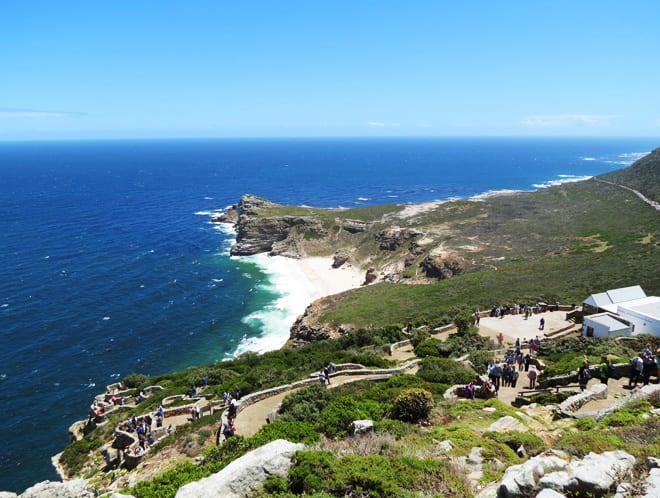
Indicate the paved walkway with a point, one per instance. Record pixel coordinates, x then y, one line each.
516 327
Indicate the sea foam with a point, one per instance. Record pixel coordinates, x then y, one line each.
272 323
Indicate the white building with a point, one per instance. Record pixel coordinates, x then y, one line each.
604 325
628 305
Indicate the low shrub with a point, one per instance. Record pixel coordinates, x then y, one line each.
397 428
444 371
413 405
296 432
480 360
135 381
581 443
585 424
374 476
514 439
75 454
429 347
306 404
336 418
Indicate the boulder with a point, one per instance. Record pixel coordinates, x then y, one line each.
596 474
653 484
370 276
362 426
78 488
354 226
244 476
520 480
339 259
443 266
507 423
550 493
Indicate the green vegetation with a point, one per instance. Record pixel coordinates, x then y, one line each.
373 475
76 454
413 405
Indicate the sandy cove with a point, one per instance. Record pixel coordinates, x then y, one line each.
327 280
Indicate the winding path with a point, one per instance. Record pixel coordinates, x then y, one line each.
652 203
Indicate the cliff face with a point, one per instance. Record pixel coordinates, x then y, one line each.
258 232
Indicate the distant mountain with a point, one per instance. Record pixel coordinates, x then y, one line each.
643 175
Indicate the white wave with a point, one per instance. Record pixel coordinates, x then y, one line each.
218 280
207 198
363 199
273 322
633 156
3 376
6 305
492 193
588 158
106 318
562 179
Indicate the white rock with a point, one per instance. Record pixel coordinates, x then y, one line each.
555 480
597 473
244 475
507 423
78 488
550 493
362 426
653 484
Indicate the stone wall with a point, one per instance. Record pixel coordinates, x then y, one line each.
572 404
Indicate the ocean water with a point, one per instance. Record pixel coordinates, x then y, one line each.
110 264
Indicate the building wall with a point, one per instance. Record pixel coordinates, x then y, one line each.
643 325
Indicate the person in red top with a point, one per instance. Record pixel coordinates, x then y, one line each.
500 339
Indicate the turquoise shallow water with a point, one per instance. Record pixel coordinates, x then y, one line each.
110 265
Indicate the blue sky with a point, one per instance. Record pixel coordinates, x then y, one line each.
135 69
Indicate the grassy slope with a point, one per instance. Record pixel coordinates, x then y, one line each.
644 175
560 244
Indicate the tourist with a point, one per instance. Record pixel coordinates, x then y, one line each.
322 379
500 339
605 369
514 377
648 365
496 375
326 372
636 368
583 376
232 411
531 375
489 389
542 323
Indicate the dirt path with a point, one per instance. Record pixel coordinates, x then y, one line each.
251 418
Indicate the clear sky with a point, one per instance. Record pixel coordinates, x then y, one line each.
272 68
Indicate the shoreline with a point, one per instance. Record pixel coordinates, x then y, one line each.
327 280
297 284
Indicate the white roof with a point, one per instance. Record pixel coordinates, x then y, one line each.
607 320
648 306
608 300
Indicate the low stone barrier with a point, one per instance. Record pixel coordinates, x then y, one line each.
644 392
573 403
374 374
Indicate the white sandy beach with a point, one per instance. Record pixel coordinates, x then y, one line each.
327 280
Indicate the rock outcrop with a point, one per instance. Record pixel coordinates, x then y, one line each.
245 475
594 475
443 266
78 488
257 232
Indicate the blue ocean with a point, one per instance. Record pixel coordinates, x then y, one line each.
110 264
